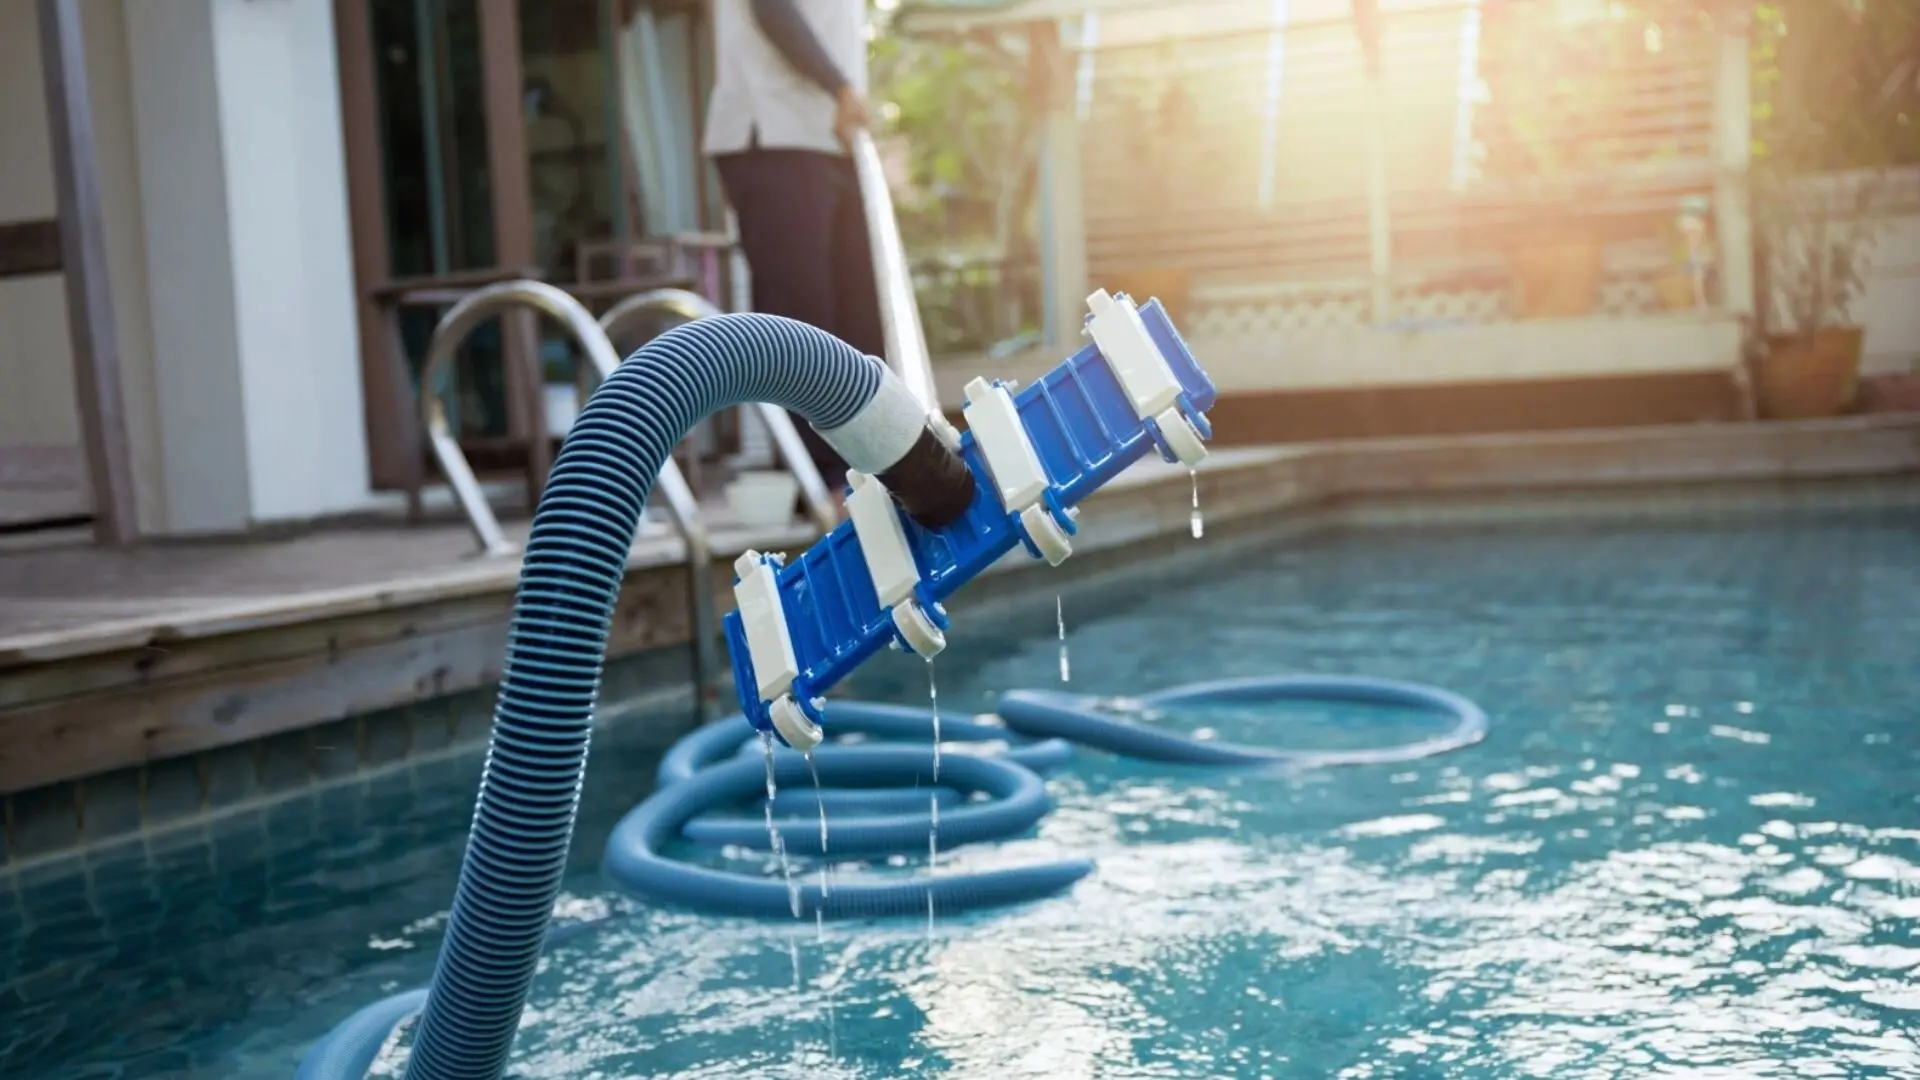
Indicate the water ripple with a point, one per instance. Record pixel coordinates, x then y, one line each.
1687 849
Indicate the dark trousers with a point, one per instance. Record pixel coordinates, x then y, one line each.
805 240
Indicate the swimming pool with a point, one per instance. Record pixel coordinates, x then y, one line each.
1688 846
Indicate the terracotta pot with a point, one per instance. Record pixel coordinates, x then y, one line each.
1675 289
1556 273
1803 378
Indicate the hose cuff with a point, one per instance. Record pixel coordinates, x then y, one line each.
931 482
890 438
884 429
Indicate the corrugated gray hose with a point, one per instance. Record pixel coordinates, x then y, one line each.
572 572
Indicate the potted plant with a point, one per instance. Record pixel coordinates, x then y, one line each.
1813 238
1825 131
1557 260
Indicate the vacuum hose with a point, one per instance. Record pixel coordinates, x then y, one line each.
570 577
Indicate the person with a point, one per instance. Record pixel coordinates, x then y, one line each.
789 95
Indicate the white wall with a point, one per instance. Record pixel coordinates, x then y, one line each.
1890 307
292 256
247 248
175 86
223 190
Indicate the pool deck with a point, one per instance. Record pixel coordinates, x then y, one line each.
113 661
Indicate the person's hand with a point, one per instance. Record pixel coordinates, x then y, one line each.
849 115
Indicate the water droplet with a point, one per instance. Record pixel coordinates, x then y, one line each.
819 800
766 743
786 872
774 839
1197 525
933 697
1060 627
833 1030
933 854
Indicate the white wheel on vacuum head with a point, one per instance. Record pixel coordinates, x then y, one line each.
793 724
1181 438
922 635
1046 534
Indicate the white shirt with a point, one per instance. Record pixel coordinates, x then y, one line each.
755 90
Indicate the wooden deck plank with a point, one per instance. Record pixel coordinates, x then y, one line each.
61 603
225 702
111 659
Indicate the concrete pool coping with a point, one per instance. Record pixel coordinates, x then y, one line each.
176 708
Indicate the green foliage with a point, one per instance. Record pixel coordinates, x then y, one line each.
1835 104
1836 84
959 112
1565 83
959 108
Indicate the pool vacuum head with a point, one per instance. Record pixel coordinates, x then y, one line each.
879 578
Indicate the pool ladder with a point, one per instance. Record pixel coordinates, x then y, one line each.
906 349
595 339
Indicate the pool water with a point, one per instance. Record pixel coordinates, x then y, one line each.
1687 848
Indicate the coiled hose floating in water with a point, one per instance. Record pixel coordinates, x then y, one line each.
1090 722
882 790
570 577
1015 801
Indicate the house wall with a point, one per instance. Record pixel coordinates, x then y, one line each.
218 143
1887 307
37 405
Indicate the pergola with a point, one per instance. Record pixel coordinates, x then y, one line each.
1049 26
1051 81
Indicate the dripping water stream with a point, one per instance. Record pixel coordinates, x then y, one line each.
933 699
774 839
1196 524
1060 628
820 800
933 854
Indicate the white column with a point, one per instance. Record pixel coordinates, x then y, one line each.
1063 200
1379 212
1370 32
1732 152
243 188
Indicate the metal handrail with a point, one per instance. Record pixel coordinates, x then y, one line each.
906 339
786 438
462 319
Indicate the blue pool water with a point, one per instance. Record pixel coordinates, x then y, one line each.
1687 848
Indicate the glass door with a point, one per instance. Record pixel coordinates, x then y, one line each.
433 136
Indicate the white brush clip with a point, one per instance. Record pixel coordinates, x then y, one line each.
1014 465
